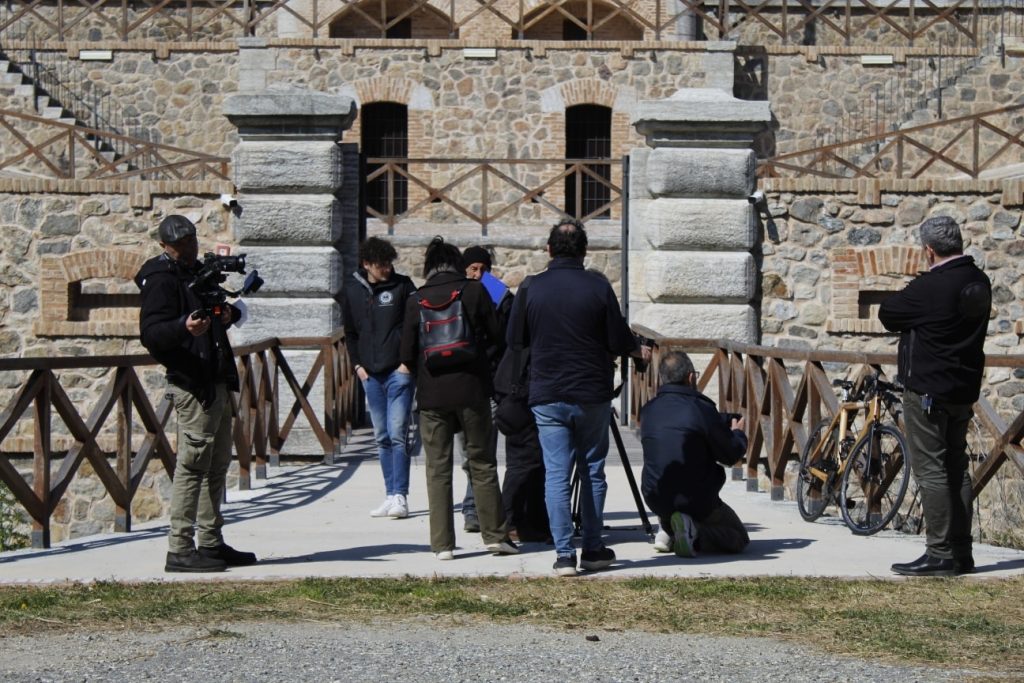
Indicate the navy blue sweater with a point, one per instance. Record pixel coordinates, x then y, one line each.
686 441
574 329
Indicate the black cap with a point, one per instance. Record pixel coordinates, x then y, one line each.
476 255
175 228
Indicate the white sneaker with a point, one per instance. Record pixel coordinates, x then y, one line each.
662 542
384 508
445 555
399 507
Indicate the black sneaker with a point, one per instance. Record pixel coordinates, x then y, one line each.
228 555
471 523
593 560
565 565
192 561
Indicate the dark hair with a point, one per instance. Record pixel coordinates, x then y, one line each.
568 238
440 256
942 234
675 368
376 251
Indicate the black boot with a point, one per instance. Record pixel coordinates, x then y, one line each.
228 555
193 561
964 565
926 565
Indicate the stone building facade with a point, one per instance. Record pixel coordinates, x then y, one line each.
488 83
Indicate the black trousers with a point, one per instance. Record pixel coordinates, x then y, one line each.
522 491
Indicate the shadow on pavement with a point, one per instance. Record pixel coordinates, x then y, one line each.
286 491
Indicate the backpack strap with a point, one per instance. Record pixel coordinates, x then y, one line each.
437 307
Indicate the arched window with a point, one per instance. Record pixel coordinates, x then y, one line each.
385 135
588 135
391 19
579 20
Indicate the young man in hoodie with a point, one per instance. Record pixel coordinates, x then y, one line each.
192 343
373 310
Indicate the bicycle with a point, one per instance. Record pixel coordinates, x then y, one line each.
867 474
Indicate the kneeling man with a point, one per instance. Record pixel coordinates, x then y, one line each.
686 442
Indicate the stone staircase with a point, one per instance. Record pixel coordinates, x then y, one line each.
18 90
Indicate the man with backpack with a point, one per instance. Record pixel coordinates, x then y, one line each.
373 308
448 324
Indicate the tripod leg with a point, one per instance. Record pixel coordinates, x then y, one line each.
641 510
577 516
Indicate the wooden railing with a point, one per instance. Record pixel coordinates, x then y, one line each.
843 21
965 145
40 147
758 382
486 191
258 435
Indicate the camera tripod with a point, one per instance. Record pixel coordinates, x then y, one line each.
577 517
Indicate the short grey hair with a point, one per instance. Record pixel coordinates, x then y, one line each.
942 234
675 368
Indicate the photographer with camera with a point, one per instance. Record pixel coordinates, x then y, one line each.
686 441
183 324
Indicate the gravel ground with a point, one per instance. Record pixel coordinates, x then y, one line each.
426 650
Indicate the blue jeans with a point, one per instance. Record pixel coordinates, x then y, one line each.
389 398
574 433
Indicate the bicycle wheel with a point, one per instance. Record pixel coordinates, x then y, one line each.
818 466
874 484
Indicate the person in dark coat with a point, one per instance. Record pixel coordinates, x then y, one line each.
942 317
574 327
686 443
456 399
192 344
373 309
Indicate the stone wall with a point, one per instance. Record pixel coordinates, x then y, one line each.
830 258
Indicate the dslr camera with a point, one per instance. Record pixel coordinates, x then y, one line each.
212 272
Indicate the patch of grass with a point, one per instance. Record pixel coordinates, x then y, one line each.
957 622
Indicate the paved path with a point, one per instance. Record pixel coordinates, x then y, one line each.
313 520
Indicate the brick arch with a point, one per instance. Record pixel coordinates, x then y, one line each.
589 91
383 89
861 278
64 313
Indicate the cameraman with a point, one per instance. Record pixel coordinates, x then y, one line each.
194 348
686 441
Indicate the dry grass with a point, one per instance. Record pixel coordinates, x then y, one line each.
963 623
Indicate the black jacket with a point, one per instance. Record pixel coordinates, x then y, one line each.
574 329
373 315
463 387
942 316
686 441
195 364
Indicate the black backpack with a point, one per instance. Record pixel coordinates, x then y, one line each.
447 341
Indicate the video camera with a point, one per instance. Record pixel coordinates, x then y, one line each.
211 273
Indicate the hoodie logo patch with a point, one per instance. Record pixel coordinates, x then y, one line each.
385 298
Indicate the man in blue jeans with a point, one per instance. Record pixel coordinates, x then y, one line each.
574 329
373 308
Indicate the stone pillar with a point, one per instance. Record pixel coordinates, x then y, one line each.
692 228
288 172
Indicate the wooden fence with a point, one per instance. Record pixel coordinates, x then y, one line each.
786 21
259 433
758 382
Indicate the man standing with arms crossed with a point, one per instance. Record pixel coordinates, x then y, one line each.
574 329
942 317
194 348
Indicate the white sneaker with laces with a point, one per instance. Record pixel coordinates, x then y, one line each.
384 508
445 555
399 507
662 542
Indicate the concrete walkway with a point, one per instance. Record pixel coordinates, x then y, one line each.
313 520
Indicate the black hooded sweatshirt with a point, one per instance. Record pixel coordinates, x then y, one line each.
194 364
